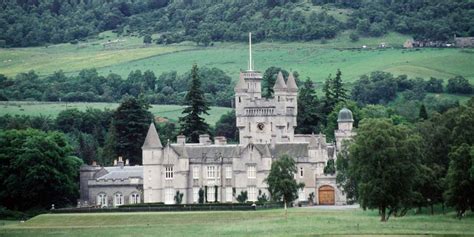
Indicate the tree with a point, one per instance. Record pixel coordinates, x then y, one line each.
147 39
330 168
281 182
334 92
131 121
242 197
309 117
460 179
226 126
192 124
423 114
384 162
269 78
460 85
37 170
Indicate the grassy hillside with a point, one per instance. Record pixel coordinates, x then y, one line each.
300 222
310 59
172 112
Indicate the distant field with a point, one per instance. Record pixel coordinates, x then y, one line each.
300 222
311 59
172 112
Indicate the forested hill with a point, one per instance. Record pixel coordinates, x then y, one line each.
40 22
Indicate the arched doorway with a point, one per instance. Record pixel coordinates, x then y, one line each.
326 195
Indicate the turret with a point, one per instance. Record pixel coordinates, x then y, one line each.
152 154
152 148
345 123
280 89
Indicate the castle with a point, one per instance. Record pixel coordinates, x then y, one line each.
221 170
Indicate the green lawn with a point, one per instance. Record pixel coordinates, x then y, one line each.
172 112
311 59
300 222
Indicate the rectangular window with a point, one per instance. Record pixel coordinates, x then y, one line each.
228 172
228 194
169 196
211 192
169 172
251 172
252 194
301 172
195 172
211 172
301 195
195 195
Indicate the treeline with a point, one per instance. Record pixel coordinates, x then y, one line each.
33 22
89 86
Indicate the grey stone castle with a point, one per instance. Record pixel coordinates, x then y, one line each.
266 132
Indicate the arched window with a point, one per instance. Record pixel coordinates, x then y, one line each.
134 198
102 200
118 199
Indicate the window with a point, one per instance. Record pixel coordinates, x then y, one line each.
102 200
228 194
211 172
118 199
169 172
301 195
195 172
195 195
252 194
134 198
228 172
169 196
251 172
301 172
211 192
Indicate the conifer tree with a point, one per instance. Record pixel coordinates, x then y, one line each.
192 124
309 118
423 114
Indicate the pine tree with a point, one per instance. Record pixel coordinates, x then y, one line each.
309 119
338 90
192 124
423 114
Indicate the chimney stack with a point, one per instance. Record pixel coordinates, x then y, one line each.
120 162
204 139
181 139
94 163
115 162
127 162
220 140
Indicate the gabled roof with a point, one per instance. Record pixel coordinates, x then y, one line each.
313 142
280 82
291 83
125 172
152 140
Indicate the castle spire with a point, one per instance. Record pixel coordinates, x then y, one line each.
250 52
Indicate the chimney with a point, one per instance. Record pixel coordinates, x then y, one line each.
115 162
94 163
127 162
221 140
204 139
120 162
181 139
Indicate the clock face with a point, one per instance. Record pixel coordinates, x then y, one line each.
260 126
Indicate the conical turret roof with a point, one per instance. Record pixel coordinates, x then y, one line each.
291 83
152 139
240 84
280 82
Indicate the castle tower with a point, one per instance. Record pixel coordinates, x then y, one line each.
152 155
345 123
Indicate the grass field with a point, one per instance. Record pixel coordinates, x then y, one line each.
172 112
311 59
300 222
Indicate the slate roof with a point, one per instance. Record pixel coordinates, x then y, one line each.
280 82
240 84
291 83
125 172
207 151
152 139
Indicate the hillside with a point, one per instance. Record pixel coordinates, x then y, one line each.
311 59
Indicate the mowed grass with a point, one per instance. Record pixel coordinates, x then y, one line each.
300 222
171 112
314 59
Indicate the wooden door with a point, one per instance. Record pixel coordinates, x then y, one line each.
326 195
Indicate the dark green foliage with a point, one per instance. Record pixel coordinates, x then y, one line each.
36 170
354 37
242 197
192 124
309 116
423 114
459 85
147 39
460 181
131 121
201 196
378 88
384 160
178 198
434 85
262 197
227 127
269 78
330 167
331 125
281 182
334 92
